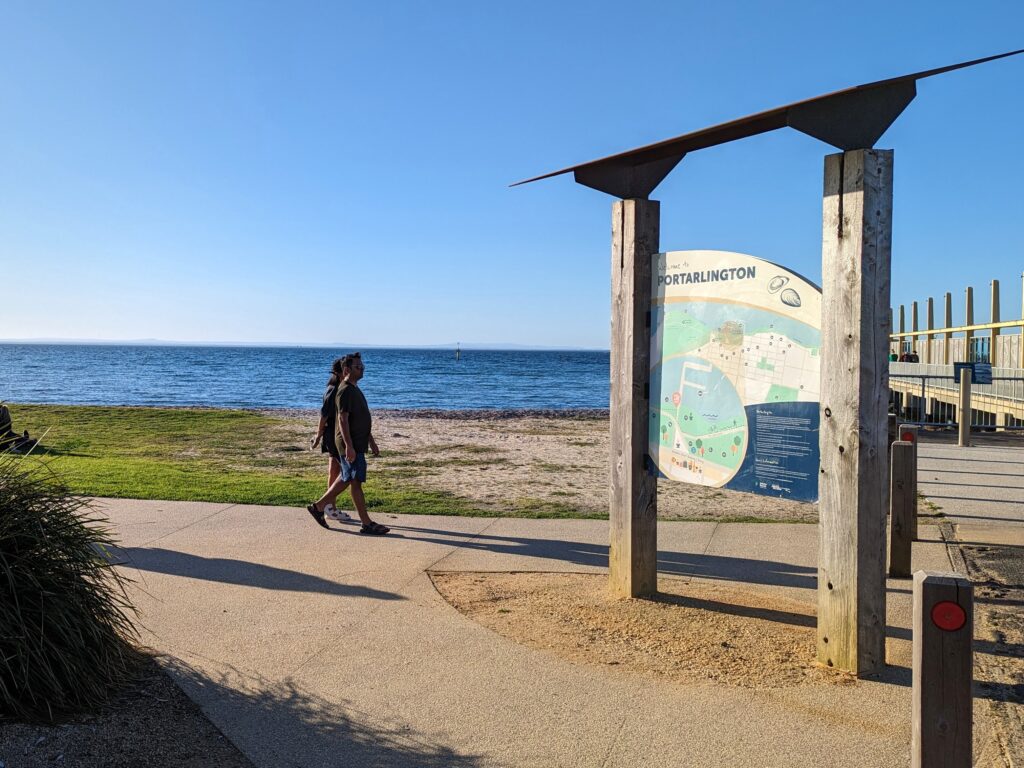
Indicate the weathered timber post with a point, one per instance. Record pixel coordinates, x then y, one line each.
633 555
902 510
930 321
963 415
947 323
856 259
942 671
968 320
994 338
914 339
1020 349
903 328
909 433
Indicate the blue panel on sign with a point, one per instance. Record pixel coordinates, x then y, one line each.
982 373
957 367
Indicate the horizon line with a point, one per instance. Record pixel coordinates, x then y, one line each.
481 346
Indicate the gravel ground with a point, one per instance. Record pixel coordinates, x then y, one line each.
692 632
151 724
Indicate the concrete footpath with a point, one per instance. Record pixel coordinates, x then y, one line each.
978 494
309 647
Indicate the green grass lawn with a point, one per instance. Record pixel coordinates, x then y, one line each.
202 455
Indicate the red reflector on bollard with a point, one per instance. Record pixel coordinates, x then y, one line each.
949 616
908 436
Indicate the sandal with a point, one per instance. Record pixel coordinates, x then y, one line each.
317 515
374 529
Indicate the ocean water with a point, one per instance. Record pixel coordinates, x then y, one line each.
294 377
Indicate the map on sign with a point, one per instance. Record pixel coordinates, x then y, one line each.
735 364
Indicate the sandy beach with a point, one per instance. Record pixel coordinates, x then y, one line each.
541 462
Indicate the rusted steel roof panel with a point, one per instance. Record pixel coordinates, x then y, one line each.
853 118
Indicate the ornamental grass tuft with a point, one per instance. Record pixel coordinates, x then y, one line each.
66 635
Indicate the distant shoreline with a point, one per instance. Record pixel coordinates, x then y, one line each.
467 414
483 347
454 414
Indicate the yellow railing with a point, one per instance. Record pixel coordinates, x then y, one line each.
1006 351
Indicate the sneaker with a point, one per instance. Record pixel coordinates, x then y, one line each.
334 513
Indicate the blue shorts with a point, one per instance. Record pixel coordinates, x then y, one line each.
354 471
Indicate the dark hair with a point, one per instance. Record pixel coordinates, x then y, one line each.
335 372
347 360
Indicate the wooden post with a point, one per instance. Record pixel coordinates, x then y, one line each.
633 555
994 339
948 323
913 327
943 716
930 320
909 433
901 508
963 415
968 320
903 328
856 260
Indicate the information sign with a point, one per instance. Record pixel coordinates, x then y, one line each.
735 369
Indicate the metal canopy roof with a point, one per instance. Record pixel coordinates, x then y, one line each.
854 118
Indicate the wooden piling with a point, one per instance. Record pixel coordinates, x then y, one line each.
856 258
930 341
903 329
913 328
633 553
994 339
968 320
942 711
947 336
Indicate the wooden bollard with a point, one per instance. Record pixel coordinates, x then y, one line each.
943 671
902 507
909 433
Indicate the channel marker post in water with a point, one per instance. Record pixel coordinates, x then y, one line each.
735 366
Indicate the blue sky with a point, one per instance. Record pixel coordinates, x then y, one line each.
338 172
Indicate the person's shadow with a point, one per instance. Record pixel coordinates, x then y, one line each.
718 567
241 572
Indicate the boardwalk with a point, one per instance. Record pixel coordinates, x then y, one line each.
981 484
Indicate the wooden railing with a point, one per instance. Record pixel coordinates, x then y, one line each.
961 343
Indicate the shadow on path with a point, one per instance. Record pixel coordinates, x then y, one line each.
241 572
279 723
982 689
965 460
716 567
972 485
971 472
1015 502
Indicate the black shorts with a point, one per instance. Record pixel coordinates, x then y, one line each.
327 446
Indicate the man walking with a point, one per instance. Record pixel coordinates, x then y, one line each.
353 436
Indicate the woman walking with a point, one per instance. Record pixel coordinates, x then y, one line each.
325 437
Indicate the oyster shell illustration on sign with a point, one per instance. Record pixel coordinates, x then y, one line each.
776 283
790 297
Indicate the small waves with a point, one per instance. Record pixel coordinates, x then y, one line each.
294 377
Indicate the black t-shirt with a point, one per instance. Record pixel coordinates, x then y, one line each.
329 411
351 400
